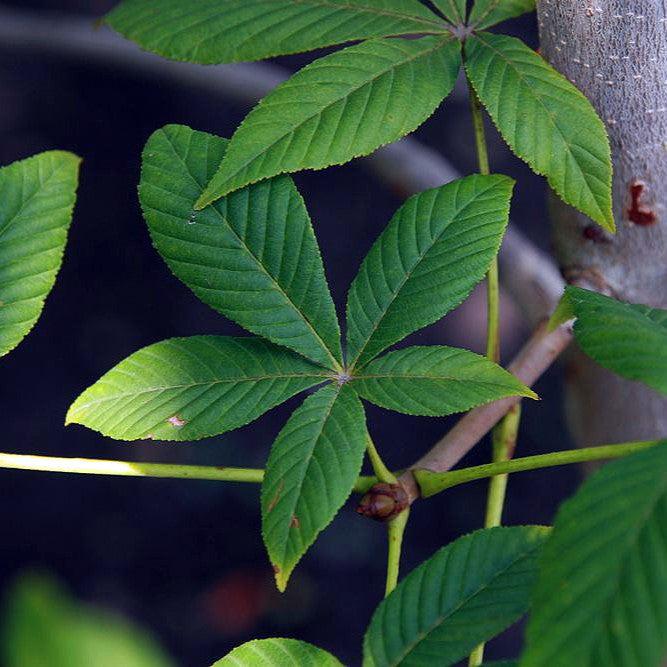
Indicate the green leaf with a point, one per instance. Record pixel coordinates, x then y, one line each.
44 628
486 13
436 248
339 107
211 31
453 10
278 653
313 466
468 592
37 198
545 120
253 256
435 381
192 388
626 338
601 595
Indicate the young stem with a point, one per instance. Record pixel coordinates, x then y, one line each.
504 442
432 483
496 497
395 531
132 469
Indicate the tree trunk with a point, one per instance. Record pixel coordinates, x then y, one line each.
615 52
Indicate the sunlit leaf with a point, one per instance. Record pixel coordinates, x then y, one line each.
192 388
36 201
339 107
486 13
277 653
215 31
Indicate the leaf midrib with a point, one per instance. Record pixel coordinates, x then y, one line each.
548 115
245 165
443 617
225 221
207 383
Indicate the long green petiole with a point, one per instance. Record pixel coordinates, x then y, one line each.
132 469
431 483
395 531
497 487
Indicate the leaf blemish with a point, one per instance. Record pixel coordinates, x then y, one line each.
276 497
177 422
637 213
294 522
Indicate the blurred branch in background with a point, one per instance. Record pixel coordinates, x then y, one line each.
527 273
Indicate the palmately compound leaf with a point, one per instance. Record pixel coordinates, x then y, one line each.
215 31
313 466
44 627
278 653
453 10
468 592
436 248
545 120
486 13
601 595
626 338
37 198
253 256
339 107
435 381
192 388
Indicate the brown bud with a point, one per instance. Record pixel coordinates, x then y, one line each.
383 502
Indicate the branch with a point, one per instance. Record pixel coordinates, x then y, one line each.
407 166
541 350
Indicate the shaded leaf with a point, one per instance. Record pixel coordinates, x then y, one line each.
435 381
486 13
626 338
453 10
339 107
210 31
253 256
601 595
37 197
192 388
468 592
44 628
545 120
313 466
436 248
278 653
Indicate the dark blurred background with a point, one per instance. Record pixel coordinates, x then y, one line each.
185 558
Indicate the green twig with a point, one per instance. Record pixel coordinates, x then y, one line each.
395 531
504 442
431 483
496 497
132 469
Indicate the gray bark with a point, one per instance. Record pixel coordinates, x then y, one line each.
615 51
